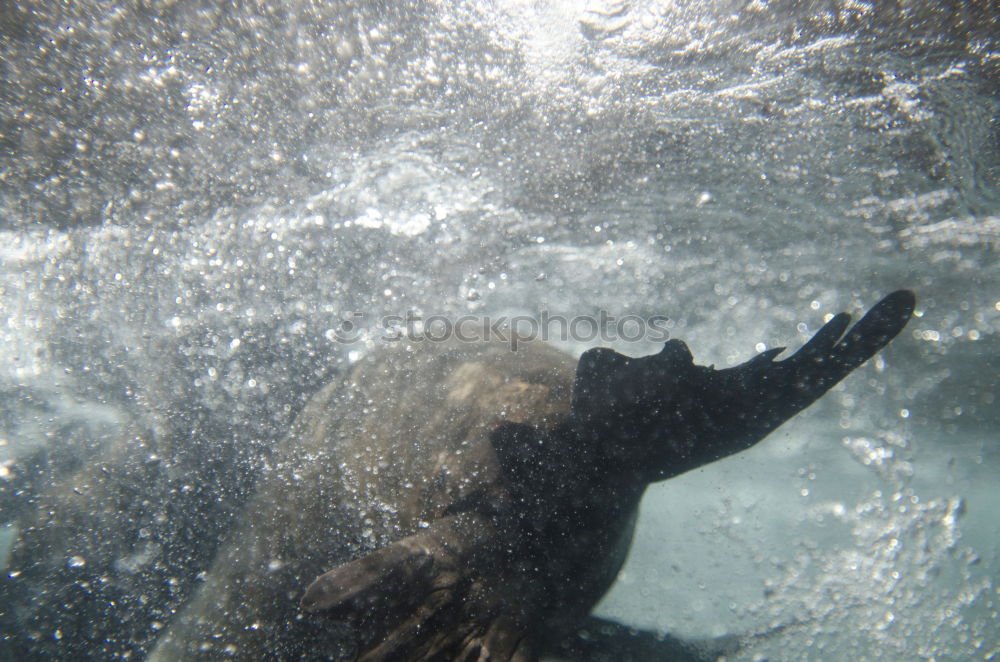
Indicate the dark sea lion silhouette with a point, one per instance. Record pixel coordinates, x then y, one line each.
486 505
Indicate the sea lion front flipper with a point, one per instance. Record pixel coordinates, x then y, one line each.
401 571
504 640
415 596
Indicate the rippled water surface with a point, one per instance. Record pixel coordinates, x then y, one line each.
193 197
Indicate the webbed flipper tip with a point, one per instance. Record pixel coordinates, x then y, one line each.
880 325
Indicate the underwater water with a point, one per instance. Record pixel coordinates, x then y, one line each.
207 211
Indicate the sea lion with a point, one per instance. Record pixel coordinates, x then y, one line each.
463 502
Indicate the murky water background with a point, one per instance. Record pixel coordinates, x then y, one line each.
193 197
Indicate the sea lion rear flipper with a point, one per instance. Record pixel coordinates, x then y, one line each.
762 396
662 415
827 358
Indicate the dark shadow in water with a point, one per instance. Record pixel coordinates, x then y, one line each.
599 640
